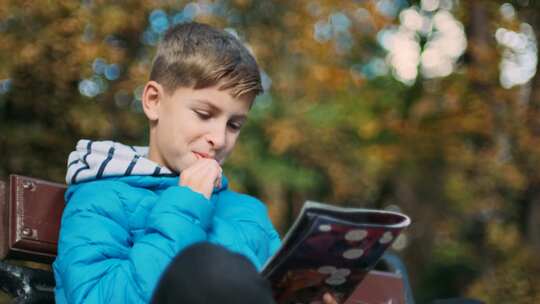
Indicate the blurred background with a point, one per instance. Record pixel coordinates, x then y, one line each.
428 107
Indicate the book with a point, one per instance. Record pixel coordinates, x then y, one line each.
330 249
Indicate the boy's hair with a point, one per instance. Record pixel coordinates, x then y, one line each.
198 56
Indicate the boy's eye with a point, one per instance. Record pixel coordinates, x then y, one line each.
202 114
236 126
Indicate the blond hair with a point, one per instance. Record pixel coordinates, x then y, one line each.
198 56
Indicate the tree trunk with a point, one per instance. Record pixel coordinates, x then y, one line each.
532 211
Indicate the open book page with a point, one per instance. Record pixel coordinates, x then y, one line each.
330 248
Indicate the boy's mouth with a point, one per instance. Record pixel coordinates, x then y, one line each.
202 155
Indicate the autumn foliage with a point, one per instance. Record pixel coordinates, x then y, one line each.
459 153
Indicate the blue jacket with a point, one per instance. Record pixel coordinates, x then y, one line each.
119 233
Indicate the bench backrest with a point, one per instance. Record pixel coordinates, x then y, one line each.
30 213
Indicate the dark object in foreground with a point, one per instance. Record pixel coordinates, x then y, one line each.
207 273
27 285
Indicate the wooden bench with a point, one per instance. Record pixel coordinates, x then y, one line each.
30 213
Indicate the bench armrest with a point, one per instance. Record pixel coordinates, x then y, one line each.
30 218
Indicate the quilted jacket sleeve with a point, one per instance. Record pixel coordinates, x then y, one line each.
241 224
98 261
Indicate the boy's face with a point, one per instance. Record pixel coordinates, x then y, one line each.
189 124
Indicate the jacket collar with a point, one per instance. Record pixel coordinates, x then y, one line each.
93 160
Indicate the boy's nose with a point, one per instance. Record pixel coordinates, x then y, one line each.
217 137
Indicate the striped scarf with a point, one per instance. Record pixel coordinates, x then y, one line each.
97 159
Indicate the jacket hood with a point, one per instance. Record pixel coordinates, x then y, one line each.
93 160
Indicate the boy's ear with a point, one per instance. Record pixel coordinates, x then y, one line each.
151 98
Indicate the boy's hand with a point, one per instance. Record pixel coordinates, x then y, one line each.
202 176
329 299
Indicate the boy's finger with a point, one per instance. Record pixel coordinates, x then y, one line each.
217 183
200 172
329 299
195 167
202 177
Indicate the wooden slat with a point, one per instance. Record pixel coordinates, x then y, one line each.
379 287
3 221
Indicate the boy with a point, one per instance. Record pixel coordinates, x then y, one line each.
128 213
